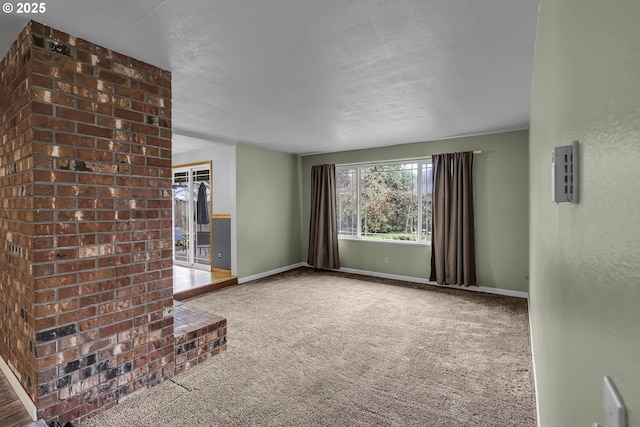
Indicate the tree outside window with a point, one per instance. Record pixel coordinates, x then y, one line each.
389 201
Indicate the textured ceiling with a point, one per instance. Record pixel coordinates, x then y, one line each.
306 76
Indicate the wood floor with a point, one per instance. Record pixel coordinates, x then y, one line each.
12 413
189 282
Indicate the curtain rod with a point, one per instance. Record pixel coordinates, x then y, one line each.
390 161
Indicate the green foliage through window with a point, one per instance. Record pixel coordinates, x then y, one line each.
385 201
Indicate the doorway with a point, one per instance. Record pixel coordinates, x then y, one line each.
192 207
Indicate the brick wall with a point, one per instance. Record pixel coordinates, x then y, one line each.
199 335
17 284
86 239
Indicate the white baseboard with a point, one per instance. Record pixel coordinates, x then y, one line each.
272 272
28 404
485 289
498 291
533 363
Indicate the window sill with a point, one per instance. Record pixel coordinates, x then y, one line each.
395 242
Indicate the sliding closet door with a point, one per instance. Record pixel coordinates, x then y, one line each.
192 215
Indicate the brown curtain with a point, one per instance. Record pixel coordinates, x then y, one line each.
323 228
453 243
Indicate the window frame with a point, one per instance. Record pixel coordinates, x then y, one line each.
422 163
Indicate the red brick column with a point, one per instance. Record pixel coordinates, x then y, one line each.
85 243
17 283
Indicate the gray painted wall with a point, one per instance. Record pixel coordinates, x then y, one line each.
501 188
268 210
585 258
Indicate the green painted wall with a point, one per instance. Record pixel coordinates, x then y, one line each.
501 189
585 258
267 209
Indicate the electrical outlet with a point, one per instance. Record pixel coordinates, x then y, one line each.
616 416
386 260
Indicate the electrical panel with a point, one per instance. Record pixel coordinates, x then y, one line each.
564 182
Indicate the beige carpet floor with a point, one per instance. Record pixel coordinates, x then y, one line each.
309 348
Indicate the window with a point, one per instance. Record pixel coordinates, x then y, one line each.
390 201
